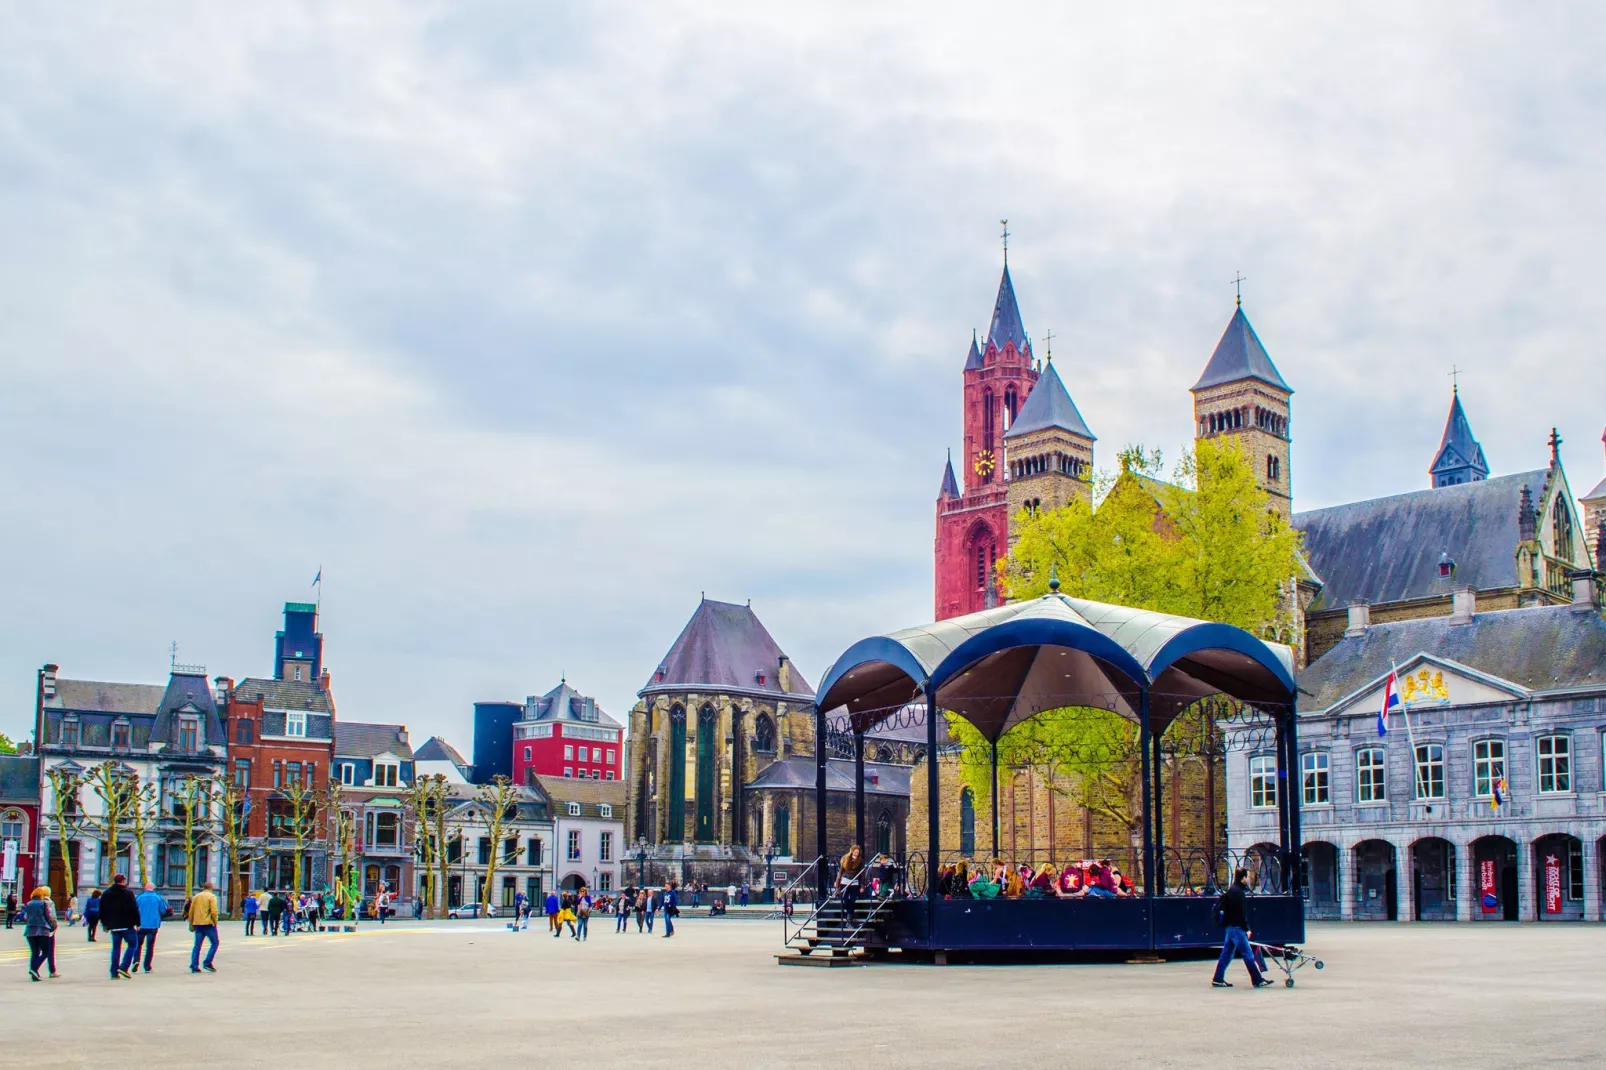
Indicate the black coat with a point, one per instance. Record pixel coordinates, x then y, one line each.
118 910
1231 908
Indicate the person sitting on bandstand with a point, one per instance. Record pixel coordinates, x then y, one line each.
1045 883
984 887
1014 886
1099 881
960 881
1071 884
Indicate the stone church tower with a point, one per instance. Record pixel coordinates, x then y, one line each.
1049 450
1242 398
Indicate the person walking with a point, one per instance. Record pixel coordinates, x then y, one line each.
382 906
39 929
671 909
119 913
152 909
621 909
552 905
1230 914
72 909
92 913
745 889
518 911
652 908
249 908
11 908
564 916
275 914
202 915
640 907
582 915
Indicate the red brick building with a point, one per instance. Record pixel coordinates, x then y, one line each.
19 824
565 734
281 732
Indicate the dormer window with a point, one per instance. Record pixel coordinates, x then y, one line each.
189 733
386 774
574 809
70 732
120 735
295 723
606 810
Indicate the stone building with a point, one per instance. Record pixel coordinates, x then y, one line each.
1594 506
1485 798
19 824
1241 397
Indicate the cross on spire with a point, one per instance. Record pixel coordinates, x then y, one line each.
1048 339
1455 379
1555 446
1238 280
1005 224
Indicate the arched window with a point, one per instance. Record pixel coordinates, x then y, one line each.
676 830
764 733
967 822
986 422
883 833
783 831
1562 528
883 753
1010 406
706 750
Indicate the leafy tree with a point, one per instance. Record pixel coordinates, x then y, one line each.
6 744
297 819
343 845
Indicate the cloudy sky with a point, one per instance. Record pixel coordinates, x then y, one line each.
528 326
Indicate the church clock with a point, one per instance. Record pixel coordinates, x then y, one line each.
984 463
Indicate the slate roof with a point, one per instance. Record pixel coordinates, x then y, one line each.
19 778
799 773
1598 492
285 694
356 740
1048 405
185 690
1387 549
436 749
564 703
724 646
1239 355
92 696
1546 647
1006 326
950 485
973 358
590 794
1458 449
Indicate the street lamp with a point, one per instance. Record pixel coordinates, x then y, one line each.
641 861
769 872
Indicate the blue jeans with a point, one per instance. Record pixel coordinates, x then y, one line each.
669 924
125 946
649 920
583 926
209 934
1236 944
147 946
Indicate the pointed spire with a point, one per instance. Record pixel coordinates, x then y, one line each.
950 485
1460 458
1239 355
1049 405
1006 326
973 358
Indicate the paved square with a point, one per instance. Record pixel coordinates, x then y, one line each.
468 994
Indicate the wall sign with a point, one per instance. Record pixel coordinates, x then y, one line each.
1489 895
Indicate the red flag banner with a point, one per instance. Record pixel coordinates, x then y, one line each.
1552 884
1488 894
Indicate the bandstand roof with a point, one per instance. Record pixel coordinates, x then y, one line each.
1003 666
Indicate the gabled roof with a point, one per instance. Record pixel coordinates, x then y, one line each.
950 485
187 692
436 749
1387 549
357 740
92 696
1006 326
1542 648
1458 449
725 646
19 778
285 694
973 358
590 794
564 703
1048 405
1239 355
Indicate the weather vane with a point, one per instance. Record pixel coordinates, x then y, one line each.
1238 280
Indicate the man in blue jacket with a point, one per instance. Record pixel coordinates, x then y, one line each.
152 909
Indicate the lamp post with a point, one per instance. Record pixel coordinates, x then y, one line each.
769 872
641 861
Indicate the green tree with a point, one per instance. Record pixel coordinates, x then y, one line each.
6 744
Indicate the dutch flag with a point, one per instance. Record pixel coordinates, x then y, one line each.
1391 698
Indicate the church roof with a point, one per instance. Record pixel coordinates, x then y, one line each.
1006 326
1600 488
973 358
950 485
1239 355
1048 405
725 646
1458 449
1387 549
1541 648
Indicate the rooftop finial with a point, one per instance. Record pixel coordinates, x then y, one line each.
1455 379
1555 447
1238 280
172 654
1048 341
1053 577
1005 224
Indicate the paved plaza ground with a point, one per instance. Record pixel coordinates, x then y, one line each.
473 995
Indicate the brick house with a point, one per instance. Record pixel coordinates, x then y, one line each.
566 734
19 824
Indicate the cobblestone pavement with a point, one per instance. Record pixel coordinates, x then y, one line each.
474 995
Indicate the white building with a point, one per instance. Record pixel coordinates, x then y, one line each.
588 819
524 860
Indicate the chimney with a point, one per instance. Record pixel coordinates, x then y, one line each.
783 675
1463 604
325 682
1360 616
47 680
1583 588
222 686
1526 527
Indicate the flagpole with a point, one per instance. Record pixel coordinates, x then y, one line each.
1416 768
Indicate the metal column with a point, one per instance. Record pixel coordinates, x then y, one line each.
822 877
858 787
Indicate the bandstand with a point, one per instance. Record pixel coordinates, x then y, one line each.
999 668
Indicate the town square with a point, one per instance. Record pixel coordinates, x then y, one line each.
513 555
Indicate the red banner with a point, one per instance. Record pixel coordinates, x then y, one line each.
1488 894
1552 884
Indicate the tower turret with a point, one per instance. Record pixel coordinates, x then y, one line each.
1241 397
1049 449
1460 457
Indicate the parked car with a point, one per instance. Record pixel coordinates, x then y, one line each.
470 910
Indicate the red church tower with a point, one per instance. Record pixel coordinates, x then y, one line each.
973 523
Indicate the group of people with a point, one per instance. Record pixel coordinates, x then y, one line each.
281 912
572 911
133 921
1099 878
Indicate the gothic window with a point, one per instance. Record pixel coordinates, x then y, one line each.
883 833
883 753
987 422
1562 528
967 822
981 566
705 774
1010 407
764 733
783 831
677 775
